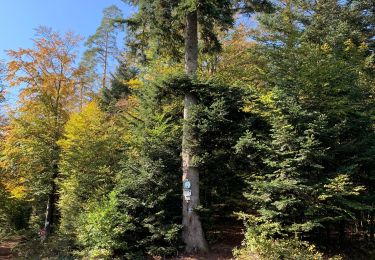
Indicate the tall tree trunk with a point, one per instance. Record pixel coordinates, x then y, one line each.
104 81
50 211
52 196
371 228
51 204
192 232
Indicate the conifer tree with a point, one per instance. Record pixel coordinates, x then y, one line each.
319 88
144 213
119 88
162 23
102 46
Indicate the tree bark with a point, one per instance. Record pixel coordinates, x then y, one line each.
105 58
50 211
52 196
192 232
371 228
51 205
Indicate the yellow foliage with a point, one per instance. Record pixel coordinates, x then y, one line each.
49 78
133 101
267 98
135 84
363 47
18 192
326 48
47 70
78 124
14 186
349 45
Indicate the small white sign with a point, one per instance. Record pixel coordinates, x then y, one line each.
187 193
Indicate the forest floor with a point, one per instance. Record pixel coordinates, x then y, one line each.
222 241
226 239
6 247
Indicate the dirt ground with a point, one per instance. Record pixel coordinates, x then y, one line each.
230 237
221 250
7 246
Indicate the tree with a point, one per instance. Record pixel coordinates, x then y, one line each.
90 152
162 23
2 92
50 80
145 192
119 89
308 174
102 46
233 65
144 216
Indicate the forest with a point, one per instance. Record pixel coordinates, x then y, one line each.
211 138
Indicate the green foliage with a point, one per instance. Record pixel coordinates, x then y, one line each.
148 195
147 187
102 46
27 138
90 152
100 228
310 164
103 42
219 121
30 153
259 246
283 130
57 246
158 24
14 213
119 88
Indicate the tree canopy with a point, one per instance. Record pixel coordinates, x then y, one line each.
208 138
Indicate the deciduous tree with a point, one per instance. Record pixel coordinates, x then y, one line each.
49 81
90 152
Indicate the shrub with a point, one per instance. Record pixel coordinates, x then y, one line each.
259 246
100 227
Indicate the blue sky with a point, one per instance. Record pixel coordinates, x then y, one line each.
19 18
